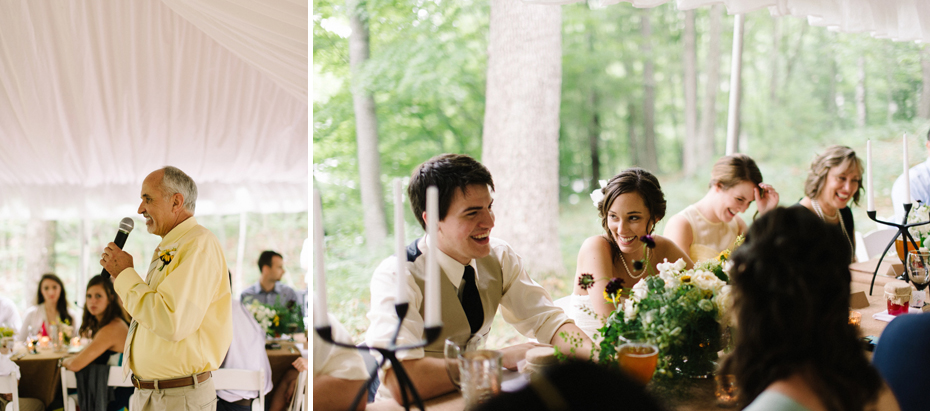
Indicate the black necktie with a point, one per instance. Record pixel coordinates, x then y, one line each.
471 301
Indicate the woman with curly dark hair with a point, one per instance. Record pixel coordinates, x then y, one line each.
795 349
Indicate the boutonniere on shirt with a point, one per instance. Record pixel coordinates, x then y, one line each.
165 256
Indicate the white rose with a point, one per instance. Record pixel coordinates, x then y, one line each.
705 305
664 267
706 280
723 300
639 290
629 309
671 280
679 265
597 196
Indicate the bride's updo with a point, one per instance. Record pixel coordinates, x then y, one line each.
632 180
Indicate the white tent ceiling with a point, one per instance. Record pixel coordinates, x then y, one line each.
899 20
95 94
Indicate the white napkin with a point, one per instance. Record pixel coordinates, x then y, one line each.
884 316
7 366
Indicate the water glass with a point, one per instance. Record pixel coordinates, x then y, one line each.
480 376
454 348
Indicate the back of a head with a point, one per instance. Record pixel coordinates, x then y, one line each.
731 170
448 172
791 294
576 385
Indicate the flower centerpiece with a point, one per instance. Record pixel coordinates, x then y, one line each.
277 318
918 214
681 311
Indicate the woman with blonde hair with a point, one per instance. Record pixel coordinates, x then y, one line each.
834 178
712 224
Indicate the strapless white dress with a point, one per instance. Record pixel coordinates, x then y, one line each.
578 308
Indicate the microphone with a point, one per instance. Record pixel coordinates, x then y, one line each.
125 226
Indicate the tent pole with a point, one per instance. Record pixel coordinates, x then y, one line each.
240 251
736 67
85 261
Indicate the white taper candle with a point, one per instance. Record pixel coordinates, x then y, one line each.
907 176
400 296
868 176
433 317
320 317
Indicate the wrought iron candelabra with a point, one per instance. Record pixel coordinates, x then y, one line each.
902 231
388 353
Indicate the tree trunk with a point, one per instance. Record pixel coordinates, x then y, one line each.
831 102
649 156
923 110
521 129
594 133
40 254
690 158
736 81
594 126
706 136
861 113
776 50
366 130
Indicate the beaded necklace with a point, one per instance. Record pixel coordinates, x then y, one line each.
645 257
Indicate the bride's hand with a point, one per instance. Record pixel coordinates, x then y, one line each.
768 201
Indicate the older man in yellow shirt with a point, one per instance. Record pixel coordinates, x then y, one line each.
182 319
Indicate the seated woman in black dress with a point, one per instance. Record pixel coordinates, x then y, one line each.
833 180
106 324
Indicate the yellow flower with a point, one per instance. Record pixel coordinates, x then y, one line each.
614 299
724 255
276 320
685 278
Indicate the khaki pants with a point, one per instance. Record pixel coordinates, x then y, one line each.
201 396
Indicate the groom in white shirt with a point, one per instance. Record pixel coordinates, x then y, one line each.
479 274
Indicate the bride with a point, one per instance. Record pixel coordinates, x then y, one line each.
632 203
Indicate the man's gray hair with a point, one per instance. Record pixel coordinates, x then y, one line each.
176 181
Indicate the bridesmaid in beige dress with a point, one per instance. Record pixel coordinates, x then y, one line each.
712 224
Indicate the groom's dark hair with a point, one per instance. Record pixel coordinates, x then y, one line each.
448 172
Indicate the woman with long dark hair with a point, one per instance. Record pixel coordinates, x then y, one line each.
630 205
795 349
107 325
51 308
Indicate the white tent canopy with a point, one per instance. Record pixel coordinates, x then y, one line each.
96 94
899 20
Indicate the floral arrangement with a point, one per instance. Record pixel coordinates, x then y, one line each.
277 319
919 214
681 311
720 265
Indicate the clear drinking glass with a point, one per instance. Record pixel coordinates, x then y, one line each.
918 268
481 376
455 346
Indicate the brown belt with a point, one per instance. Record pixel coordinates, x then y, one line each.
175 383
244 403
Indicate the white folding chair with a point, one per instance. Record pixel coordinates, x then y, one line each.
297 403
250 380
69 380
8 386
875 241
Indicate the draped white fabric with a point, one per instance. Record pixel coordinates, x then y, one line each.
271 35
96 94
899 20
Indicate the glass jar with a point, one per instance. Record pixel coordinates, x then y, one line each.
897 297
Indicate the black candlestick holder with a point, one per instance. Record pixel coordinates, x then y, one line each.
388 353
902 231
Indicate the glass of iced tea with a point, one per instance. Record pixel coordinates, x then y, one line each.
638 359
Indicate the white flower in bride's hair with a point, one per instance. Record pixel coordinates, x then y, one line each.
598 194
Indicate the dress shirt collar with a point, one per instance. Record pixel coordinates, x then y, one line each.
178 231
454 270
